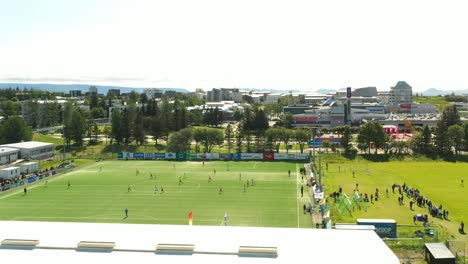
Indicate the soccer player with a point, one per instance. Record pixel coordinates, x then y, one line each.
180 181
289 173
225 219
137 172
302 190
25 191
129 189
209 178
220 190
126 212
353 175
462 183
214 171
69 185
162 190
155 189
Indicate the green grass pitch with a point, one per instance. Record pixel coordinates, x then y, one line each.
439 181
96 196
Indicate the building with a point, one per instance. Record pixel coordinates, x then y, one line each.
224 94
438 253
8 155
29 167
154 93
58 242
75 93
9 173
365 92
113 92
272 98
227 107
33 150
401 93
93 90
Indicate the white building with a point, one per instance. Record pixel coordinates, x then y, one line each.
57 243
8 155
9 173
33 150
29 167
272 98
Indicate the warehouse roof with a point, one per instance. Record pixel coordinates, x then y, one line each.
133 243
28 145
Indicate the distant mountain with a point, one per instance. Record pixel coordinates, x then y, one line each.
102 89
326 91
437 92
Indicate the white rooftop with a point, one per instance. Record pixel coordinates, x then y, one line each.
7 150
9 168
136 243
27 145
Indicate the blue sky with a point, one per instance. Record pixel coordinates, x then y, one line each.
291 44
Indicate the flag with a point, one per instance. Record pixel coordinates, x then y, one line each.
190 217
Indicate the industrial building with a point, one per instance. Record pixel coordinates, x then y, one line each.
9 173
33 150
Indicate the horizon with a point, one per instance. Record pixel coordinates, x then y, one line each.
301 45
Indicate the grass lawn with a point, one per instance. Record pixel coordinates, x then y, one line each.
439 181
96 196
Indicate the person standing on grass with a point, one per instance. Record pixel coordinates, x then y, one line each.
126 212
302 190
209 178
289 173
462 183
69 185
162 190
225 219
25 191
129 189
221 190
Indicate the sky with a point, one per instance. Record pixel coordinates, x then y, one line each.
291 44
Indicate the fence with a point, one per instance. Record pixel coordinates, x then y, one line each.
212 156
458 249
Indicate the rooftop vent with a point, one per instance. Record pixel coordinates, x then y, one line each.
96 245
175 248
20 242
258 251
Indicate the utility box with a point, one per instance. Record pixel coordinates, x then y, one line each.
438 253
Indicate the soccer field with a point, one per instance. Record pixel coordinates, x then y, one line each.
99 193
439 181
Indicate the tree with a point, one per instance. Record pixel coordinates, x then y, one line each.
117 128
78 126
139 129
157 128
465 129
14 130
302 136
287 120
179 142
94 101
228 136
285 137
426 140
456 134
9 108
213 137
98 112
346 139
365 136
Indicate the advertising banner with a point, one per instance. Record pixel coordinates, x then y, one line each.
268 156
235 156
302 156
159 155
224 156
149 156
279 156
181 156
120 155
128 155
192 156
214 156
291 157
170 156
251 156
139 155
